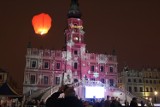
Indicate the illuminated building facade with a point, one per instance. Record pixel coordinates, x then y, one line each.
141 83
45 68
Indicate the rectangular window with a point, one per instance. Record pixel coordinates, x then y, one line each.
75 65
141 89
33 64
129 80
130 89
101 68
147 89
111 82
92 68
135 89
45 79
32 79
150 81
111 69
75 52
134 80
46 65
57 80
140 81
1 78
102 80
58 66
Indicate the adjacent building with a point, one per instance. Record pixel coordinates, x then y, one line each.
144 83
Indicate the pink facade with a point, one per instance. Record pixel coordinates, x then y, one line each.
45 68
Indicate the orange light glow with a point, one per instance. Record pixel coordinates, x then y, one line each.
41 23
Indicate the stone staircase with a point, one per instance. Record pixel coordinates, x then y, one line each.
37 93
50 92
113 91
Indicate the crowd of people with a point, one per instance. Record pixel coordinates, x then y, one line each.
71 100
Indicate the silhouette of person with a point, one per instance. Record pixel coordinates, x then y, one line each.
70 99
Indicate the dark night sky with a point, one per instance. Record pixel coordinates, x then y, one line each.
131 27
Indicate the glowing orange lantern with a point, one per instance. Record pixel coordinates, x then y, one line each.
41 23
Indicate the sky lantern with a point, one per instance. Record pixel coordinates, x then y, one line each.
41 23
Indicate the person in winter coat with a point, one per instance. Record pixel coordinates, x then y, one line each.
134 103
70 99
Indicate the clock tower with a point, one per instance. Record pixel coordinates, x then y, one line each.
75 46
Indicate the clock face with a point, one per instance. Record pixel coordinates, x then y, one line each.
76 39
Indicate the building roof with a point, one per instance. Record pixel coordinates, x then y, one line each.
74 11
7 90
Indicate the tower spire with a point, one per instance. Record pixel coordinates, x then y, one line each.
74 11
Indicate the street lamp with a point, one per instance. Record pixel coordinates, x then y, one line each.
155 94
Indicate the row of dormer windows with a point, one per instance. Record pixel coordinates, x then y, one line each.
75 52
